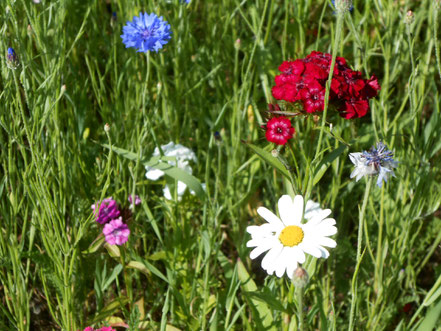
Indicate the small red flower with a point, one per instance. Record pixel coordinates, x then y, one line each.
355 108
313 99
279 130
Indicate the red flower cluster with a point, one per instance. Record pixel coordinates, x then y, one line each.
304 80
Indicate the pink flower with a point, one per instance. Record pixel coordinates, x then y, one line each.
107 210
105 328
116 232
137 200
279 130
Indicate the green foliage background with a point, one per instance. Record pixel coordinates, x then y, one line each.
186 265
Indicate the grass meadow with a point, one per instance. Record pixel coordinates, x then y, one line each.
186 265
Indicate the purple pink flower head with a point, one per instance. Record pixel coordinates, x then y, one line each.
106 210
116 232
105 328
137 200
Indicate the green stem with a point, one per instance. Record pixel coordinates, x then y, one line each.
435 36
335 46
358 260
379 244
300 316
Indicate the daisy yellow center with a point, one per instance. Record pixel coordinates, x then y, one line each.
291 236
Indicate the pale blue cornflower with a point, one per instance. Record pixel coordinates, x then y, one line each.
148 32
343 5
378 161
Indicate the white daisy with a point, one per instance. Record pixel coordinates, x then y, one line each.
287 239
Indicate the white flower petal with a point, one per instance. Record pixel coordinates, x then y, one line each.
311 249
324 252
271 256
282 262
153 174
299 255
262 231
328 242
269 216
286 209
262 247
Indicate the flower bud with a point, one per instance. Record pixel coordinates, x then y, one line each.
106 127
409 17
275 153
12 59
300 277
237 44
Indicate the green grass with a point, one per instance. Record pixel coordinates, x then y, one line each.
186 264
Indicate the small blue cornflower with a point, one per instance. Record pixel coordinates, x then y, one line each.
12 58
148 32
343 5
379 160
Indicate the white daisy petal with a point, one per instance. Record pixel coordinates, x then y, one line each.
328 242
271 256
297 210
282 262
262 231
312 249
324 252
260 249
286 210
299 254
269 216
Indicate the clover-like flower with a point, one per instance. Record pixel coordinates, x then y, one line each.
148 32
105 211
378 161
116 232
287 238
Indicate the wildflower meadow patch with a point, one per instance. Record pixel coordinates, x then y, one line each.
220 165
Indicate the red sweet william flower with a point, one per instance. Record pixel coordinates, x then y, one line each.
354 108
292 67
279 130
371 88
313 99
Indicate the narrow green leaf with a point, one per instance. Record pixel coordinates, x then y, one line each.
431 319
116 271
326 162
273 161
260 308
138 266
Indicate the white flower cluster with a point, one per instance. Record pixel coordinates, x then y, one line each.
183 156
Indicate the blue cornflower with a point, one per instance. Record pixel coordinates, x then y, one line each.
187 1
148 32
12 58
379 160
343 5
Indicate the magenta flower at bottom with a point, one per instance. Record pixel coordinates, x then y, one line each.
116 232
105 328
